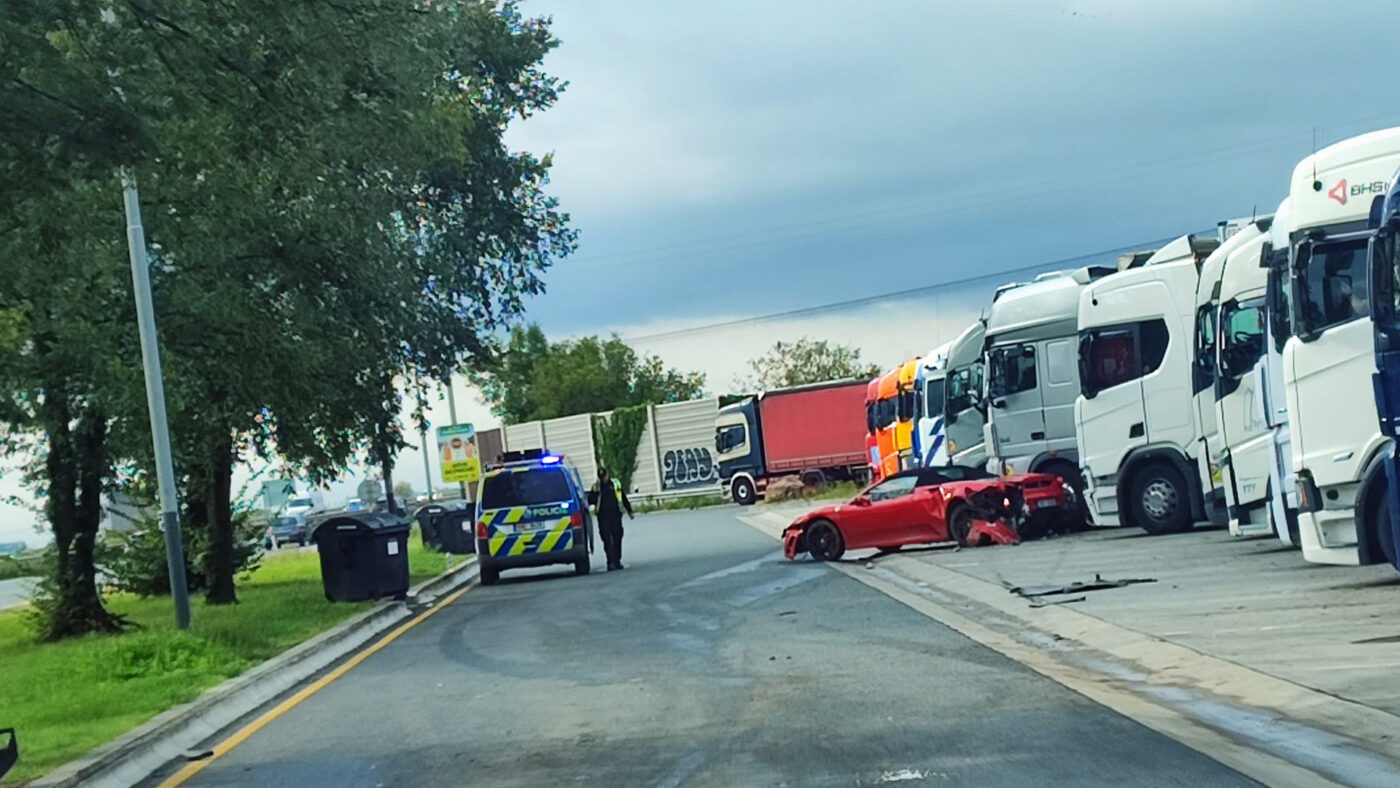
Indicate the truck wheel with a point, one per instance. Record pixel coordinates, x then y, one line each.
743 491
1378 521
824 541
489 575
1160 499
813 478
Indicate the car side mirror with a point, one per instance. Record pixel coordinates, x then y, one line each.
860 500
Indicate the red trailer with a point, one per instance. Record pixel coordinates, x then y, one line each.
817 431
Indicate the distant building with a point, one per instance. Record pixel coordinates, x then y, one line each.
13 548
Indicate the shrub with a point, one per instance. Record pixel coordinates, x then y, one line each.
134 561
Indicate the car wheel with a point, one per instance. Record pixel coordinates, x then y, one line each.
582 566
743 491
489 575
824 541
1077 517
1160 500
960 523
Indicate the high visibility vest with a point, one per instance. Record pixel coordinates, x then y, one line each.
617 494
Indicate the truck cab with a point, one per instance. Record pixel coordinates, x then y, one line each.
1270 397
887 422
1137 435
930 437
906 413
1032 338
1337 444
1384 267
963 408
872 428
1211 453
1245 439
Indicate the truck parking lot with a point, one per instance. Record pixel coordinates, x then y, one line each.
1236 637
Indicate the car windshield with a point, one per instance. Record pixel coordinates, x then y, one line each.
300 503
533 487
286 522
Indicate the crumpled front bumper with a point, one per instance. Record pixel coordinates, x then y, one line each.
794 541
984 533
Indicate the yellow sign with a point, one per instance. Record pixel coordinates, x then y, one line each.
457 453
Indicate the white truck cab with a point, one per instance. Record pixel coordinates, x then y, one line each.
1212 454
1328 360
1032 346
1137 433
963 416
1270 395
930 434
1244 434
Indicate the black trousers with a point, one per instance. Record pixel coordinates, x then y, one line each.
610 530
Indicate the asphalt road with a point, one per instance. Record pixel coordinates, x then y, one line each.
16 591
709 661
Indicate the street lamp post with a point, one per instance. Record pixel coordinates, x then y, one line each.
155 399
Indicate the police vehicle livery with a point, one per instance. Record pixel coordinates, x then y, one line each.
531 511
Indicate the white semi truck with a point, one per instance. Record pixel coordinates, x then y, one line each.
1209 385
1337 445
963 408
1270 395
1244 434
1032 344
930 433
1137 434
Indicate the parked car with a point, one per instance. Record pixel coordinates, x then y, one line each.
287 529
928 506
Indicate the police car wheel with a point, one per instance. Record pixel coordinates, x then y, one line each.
582 566
489 575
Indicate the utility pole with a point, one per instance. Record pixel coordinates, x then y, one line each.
452 414
427 466
155 400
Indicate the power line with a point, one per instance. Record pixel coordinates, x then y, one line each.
851 303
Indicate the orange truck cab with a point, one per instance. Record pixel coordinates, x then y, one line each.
906 413
886 422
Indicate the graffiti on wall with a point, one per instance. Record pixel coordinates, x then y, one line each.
688 468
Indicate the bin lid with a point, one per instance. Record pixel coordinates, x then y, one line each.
384 523
430 508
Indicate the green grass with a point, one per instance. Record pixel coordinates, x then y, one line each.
838 491
66 698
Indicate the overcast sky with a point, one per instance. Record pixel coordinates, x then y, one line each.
726 160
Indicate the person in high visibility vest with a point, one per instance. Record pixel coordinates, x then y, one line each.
611 501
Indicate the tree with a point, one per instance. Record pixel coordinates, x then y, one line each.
805 361
404 490
536 379
330 209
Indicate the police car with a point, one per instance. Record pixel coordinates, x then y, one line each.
531 511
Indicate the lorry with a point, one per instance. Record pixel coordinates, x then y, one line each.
1384 267
1244 436
1208 385
930 437
1032 338
1270 396
1136 433
1337 446
963 408
814 431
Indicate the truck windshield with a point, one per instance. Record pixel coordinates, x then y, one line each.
1114 355
908 405
1241 336
1332 286
933 399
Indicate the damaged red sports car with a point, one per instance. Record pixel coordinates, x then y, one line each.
927 506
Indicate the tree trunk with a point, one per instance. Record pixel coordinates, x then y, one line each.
76 465
387 469
222 563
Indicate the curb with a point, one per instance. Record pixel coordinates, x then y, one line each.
173 734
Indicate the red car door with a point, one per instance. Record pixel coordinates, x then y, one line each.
927 521
884 521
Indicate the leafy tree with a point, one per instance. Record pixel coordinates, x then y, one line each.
404 490
330 210
535 379
805 361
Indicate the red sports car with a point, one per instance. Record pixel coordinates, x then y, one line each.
929 505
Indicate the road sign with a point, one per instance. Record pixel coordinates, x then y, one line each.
370 491
457 453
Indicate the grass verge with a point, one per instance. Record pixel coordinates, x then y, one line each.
69 697
677 504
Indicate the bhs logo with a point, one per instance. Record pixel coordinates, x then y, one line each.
1339 192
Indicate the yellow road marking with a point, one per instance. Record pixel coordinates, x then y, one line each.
222 748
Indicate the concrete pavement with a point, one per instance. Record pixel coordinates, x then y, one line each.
709 661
